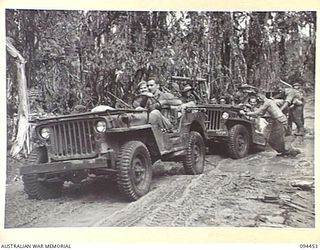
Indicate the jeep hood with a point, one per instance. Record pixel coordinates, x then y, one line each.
85 115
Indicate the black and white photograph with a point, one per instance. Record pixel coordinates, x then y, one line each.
119 118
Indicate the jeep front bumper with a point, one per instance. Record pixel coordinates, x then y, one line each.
218 133
107 162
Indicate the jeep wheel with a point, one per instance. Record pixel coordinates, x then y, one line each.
134 170
35 186
238 142
194 160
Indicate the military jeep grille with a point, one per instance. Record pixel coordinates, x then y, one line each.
213 121
72 139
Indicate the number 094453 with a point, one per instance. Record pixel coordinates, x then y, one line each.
308 246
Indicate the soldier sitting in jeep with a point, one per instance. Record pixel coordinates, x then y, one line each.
147 100
120 143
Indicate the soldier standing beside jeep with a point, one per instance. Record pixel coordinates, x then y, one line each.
277 126
298 88
294 102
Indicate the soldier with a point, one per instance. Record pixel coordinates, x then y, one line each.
277 126
188 99
222 100
142 100
164 98
294 102
79 109
167 99
154 100
213 100
243 94
186 94
253 102
260 122
146 100
142 87
297 86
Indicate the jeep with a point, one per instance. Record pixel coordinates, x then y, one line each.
225 124
120 143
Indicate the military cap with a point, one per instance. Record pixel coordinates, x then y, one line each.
296 84
248 88
186 88
140 83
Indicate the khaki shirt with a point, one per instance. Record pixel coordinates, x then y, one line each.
167 98
272 108
291 95
159 95
142 101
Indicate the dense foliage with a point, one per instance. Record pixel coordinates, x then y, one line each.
76 57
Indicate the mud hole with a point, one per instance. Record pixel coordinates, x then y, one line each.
261 190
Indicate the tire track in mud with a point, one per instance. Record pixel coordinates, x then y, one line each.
136 211
269 198
80 205
226 194
179 203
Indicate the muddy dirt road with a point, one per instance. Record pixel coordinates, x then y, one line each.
261 190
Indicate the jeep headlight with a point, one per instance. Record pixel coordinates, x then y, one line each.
101 126
45 133
225 115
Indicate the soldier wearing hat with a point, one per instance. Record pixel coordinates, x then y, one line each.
222 100
297 86
186 94
142 87
142 99
293 101
243 94
275 131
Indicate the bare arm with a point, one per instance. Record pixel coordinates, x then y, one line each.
260 111
289 98
285 105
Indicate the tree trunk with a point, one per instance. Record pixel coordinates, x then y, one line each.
23 112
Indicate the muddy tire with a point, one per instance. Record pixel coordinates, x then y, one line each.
41 190
134 170
34 185
194 161
238 142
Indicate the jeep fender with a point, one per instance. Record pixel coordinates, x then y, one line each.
200 128
194 122
144 133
